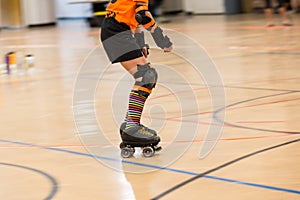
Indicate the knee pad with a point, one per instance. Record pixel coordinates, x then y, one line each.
149 79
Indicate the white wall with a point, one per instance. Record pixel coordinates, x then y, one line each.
38 12
66 10
204 6
172 5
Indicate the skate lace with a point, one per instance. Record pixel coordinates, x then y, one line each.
144 131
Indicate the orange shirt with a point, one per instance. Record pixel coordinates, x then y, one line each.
125 11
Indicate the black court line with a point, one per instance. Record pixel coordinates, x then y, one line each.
173 170
54 183
240 158
163 194
231 86
215 115
90 76
262 89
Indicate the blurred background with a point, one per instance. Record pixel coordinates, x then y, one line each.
21 13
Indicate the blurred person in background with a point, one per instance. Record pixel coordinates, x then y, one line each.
294 5
154 8
282 11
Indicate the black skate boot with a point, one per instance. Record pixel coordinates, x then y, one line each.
139 136
123 126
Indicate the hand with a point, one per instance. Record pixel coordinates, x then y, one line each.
168 49
145 51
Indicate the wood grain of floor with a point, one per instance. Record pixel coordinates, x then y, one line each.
48 153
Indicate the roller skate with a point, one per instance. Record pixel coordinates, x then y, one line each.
123 126
139 136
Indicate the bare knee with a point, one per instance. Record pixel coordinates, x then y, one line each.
131 65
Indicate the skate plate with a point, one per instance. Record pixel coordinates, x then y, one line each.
148 150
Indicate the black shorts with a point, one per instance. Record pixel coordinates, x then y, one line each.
118 41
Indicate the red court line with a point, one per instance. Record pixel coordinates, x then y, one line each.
259 122
47 46
232 139
217 28
197 122
96 33
176 92
269 80
230 84
265 48
66 146
266 103
76 33
245 47
178 119
234 108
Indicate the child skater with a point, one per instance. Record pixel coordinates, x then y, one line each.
123 41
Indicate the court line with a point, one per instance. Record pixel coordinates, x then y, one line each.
204 174
240 158
215 115
159 167
204 86
65 146
278 52
231 107
234 108
261 122
265 103
256 88
214 28
53 181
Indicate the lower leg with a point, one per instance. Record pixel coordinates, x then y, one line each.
294 5
132 67
146 78
284 16
269 16
135 108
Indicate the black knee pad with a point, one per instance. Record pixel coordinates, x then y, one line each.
149 76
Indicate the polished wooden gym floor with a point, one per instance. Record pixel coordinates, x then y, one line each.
49 148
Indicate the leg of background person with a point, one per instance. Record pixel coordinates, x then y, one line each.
294 4
269 17
283 13
269 13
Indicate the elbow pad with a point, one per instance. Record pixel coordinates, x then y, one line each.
160 40
144 17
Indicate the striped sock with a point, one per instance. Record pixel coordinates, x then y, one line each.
135 109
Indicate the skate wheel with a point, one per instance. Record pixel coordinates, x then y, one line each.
148 152
127 152
121 145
